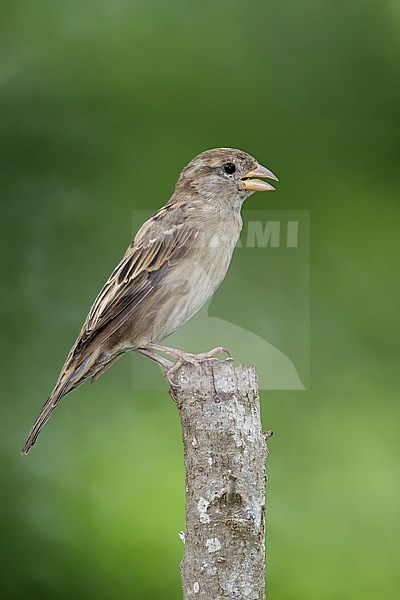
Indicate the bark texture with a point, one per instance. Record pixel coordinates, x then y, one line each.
225 452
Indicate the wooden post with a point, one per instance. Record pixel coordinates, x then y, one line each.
224 453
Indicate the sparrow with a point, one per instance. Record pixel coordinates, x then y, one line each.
171 268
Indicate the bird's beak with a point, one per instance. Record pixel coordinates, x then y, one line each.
257 185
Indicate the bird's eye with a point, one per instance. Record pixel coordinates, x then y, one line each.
229 168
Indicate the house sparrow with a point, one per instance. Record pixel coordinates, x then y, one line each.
172 267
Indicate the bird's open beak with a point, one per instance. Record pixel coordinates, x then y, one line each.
257 185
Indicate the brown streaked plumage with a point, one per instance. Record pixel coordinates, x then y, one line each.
172 267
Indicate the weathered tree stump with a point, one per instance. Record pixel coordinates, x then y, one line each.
224 453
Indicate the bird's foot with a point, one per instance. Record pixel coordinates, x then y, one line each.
181 358
187 357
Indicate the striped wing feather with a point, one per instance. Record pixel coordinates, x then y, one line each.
134 278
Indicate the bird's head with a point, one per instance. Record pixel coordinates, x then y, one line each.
224 174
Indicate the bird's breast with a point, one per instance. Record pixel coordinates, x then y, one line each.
193 279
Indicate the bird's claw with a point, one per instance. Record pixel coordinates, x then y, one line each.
180 357
212 353
192 359
170 372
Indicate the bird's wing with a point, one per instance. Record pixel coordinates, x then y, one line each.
154 249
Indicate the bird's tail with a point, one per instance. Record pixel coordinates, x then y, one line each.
42 419
66 383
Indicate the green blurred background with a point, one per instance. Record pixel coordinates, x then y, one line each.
102 103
